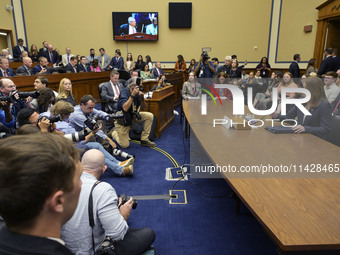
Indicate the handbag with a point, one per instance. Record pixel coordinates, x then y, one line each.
107 246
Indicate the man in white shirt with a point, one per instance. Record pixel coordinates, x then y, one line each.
110 92
331 89
66 58
152 29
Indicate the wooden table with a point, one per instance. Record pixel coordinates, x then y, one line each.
299 213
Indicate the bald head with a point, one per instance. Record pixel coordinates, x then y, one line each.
93 161
27 62
50 47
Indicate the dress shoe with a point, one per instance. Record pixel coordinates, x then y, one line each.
148 143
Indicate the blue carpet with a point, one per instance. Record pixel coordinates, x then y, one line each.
202 226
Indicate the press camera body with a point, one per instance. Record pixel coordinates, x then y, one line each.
125 198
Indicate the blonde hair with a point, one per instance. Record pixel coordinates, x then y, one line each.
62 93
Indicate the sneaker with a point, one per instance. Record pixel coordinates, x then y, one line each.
148 143
127 162
128 170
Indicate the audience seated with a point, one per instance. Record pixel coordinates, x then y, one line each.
82 67
319 123
104 59
42 67
117 62
41 82
45 101
191 88
226 67
5 71
110 215
72 67
222 78
335 105
157 71
95 66
33 53
331 89
43 49
51 55
5 54
65 91
39 192
146 73
162 82
110 92
129 65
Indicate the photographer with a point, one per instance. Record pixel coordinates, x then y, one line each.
131 100
204 68
31 116
86 110
109 215
64 110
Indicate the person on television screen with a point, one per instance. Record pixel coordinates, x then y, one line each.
129 28
152 28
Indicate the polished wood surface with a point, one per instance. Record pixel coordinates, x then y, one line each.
162 106
82 83
299 213
137 36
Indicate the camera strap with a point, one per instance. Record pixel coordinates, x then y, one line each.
90 208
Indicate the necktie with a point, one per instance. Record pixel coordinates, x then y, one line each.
51 58
116 89
336 107
68 58
159 73
5 74
75 70
134 30
103 61
193 90
85 70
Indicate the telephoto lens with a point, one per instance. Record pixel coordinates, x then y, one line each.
122 154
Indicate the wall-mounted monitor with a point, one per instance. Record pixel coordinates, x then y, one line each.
135 26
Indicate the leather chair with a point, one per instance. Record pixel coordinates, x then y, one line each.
334 134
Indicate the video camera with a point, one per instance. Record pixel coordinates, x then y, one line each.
125 198
205 56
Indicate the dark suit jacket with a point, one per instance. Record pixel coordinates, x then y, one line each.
108 95
294 70
9 72
333 105
55 56
41 52
38 68
81 68
117 64
155 72
327 65
319 123
337 63
124 29
17 51
22 70
69 68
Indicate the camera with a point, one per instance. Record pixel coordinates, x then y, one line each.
137 115
204 56
122 154
12 99
91 123
125 198
53 119
33 94
77 136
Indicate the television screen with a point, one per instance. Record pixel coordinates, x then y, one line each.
135 26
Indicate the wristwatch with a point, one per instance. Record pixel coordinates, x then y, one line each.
133 97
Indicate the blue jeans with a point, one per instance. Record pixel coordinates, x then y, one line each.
110 161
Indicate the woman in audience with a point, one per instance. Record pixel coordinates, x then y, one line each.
264 67
45 101
310 67
95 66
191 88
148 62
65 92
140 63
319 123
222 78
235 71
162 82
262 100
180 65
146 74
287 82
5 54
191 67
129 65
33 54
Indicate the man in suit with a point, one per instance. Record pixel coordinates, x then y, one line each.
19 48
82 67
336 59
117 61
72 66
335 105
103 59
43 49
91 57
157 71
5 71
111 91
26 68
130 28
42 67
294 68
327 64
52 204
40 83
51 55
66 57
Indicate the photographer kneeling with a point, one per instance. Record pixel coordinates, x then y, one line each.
109 216
130 101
